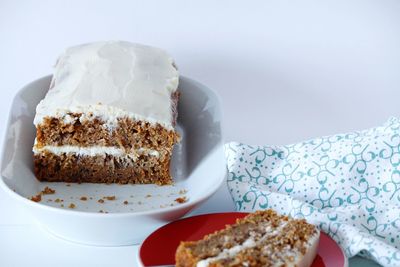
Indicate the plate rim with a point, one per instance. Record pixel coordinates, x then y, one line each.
139 252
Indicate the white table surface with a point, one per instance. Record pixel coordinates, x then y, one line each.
285 71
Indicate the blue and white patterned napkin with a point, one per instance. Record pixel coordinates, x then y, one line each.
347 184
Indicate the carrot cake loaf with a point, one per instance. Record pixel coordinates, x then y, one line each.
263 238
109 116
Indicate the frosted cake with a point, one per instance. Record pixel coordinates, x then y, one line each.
109 116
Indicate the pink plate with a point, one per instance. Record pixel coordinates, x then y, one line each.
159 248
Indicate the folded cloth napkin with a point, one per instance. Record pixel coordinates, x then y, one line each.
347 184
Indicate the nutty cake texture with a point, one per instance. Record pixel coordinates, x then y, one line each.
109 116
263 238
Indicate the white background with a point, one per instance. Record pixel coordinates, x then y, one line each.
285 71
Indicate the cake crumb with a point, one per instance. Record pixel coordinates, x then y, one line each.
100 200
83 198
109 197
62 205
68 185
90 198
49 200
36 198
182 191
48 191
72 206
58 200
147 196
181 200
140 202
126 202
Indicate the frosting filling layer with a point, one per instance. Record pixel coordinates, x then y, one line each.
95 151
298 258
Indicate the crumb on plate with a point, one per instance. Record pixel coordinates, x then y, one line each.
36 198
48 191
182 191
181 200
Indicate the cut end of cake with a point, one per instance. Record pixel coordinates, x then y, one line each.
263 238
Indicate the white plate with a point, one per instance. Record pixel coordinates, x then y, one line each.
198 168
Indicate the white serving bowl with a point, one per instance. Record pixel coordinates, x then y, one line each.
198 169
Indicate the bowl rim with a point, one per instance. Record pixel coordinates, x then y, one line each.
158 211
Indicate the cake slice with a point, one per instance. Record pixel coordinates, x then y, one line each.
263 238
109 116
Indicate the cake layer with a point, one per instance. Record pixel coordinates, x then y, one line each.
112 80
102 168
126 134
260 239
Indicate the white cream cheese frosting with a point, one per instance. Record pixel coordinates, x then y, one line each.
111 80
227 253
297 259
96 151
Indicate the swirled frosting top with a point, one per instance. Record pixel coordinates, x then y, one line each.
111 80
